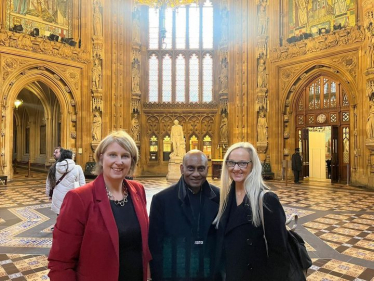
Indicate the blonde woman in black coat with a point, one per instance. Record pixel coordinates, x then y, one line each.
242 254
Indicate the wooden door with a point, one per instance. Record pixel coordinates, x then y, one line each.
335 177
305 151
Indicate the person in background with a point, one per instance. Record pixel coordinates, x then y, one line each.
64 176
297 164
181 234
102 230
57 153
241 251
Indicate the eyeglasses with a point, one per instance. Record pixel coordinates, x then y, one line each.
241 164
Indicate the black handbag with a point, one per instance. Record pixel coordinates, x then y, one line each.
299 257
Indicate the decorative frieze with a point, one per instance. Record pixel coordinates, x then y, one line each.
185 106
42 45
319 43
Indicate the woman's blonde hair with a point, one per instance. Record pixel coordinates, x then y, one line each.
125 141
253 184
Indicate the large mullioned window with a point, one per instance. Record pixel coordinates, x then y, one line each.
180 60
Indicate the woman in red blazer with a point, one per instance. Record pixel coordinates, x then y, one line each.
102 230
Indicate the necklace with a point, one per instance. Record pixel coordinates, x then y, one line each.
121 202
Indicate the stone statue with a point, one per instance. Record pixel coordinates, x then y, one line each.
96 127
371 52
262 18
96 74
262 128
177 139
261 75
135 79
223 78
135 127
97 21
370 122
223 128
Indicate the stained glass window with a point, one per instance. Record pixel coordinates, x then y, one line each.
208 25
177 74
180 79
153 16
153 78
324 93
180 22
194 78
166 79
207 78
194 26
169 29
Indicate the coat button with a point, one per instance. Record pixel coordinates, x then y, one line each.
249 266
249 242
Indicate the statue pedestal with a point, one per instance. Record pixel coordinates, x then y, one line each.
174 172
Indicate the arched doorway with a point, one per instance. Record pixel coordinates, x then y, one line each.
43 87
38 114
322 128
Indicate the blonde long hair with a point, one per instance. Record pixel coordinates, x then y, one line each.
253 184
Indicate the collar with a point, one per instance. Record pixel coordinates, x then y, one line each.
206 189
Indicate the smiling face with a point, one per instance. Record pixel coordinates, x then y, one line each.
194 169
116 162
237 174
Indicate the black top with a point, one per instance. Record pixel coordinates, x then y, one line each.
130 242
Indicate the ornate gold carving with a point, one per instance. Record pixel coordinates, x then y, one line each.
96 126
316 44
349 62
97 19
42 45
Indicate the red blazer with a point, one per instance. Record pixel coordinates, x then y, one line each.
85 243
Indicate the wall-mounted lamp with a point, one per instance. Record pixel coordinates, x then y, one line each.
18 103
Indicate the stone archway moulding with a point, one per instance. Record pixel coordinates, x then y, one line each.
66 87
342 69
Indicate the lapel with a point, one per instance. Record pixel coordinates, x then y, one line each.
186 210
226 213
138 204
210 208
106 212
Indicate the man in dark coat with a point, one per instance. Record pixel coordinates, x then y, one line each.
296 165
181 235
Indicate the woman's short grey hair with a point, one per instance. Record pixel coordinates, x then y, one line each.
125 141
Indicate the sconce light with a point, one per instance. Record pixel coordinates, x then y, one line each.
18 103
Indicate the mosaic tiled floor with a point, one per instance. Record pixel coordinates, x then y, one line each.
336 221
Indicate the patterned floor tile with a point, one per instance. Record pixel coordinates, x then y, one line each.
343 219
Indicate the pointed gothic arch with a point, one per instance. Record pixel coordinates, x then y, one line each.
29 77
296 117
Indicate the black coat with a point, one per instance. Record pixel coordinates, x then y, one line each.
297 163
176 257
241 251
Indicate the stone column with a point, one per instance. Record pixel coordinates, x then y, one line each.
97 74
262 78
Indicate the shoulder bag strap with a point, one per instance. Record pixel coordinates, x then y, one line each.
60 179
261 207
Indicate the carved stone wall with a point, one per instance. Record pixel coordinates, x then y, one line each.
20 72
97 74
262 77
